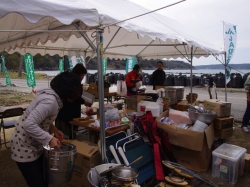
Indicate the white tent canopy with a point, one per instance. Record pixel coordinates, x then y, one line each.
52 26
149 36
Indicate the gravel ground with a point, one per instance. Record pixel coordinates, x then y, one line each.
10 175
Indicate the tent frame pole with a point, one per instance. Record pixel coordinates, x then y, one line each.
112 39
99 43
78 27
225 65
191 75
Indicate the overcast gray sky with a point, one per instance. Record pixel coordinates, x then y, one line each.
205 17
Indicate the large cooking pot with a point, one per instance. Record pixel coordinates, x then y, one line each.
207 118
58 163
125 174
94 175
179 91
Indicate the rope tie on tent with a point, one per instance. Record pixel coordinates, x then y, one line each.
48 25
93 34
109 29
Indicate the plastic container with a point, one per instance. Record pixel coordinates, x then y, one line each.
144 106
228 162
199 126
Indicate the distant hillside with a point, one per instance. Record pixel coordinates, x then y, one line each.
220 66
48 62
145 64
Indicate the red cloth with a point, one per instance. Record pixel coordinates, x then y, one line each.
159 174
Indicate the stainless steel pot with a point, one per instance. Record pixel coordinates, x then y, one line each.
179 91
125 174
58 163
203 117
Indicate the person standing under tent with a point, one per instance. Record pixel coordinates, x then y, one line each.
71 110
246 117
133 80
158 77
34 128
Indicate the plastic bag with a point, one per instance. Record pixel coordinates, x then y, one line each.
111 114
121 88
213 93
138 85
179 117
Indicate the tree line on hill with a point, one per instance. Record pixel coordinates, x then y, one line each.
47 62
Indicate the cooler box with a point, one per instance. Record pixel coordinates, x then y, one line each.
228 162
154 107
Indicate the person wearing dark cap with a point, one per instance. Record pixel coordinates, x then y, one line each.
132 80
72 109
158 76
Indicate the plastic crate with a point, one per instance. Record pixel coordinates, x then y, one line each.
228 162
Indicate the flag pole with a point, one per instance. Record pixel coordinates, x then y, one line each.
225 65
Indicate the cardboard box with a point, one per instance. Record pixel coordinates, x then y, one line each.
192 149
224 133
88 155
166 104
223 109
223 123
132 101
183 106
247 163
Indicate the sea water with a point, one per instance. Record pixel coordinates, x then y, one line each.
196 72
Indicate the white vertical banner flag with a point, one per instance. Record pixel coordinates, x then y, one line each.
77 60
230 40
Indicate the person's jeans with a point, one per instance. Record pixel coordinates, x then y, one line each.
246 117
33 172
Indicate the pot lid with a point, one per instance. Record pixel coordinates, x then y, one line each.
125 174
111 168
65 147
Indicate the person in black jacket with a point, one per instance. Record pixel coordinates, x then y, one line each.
71 109
158 76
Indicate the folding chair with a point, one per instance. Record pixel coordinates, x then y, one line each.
134 149
8 123
111 154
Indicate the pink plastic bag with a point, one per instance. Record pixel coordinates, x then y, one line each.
179 117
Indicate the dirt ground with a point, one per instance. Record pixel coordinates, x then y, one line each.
11 177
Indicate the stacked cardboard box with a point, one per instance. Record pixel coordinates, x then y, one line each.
247 163
222 109
223 127
223 123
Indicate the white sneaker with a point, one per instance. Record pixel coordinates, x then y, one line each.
245 129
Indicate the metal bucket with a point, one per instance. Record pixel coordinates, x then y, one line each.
94 173
93 177
170 93
58 163
179 91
